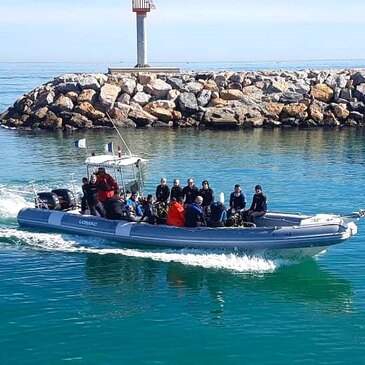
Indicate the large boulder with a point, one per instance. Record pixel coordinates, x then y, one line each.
337 80
45 99
274 108
322 92
66 87
316 111
291 97
88 110
340 111
118 114
88 95
141 98
211 85
141 118
108 94
145 78
358 77
231 94
193 87
162 109
359 92
220 118
187 103
204 97
128 85
62 104
89 82
297 110
160 88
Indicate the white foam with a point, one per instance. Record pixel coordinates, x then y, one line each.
11 202
199 258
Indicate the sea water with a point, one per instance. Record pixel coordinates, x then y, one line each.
76 299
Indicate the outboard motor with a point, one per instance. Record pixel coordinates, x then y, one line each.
66 197
48 200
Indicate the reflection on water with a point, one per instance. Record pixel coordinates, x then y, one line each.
304 283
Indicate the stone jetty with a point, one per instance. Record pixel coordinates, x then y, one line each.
215 100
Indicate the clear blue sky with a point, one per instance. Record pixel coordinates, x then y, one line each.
187 30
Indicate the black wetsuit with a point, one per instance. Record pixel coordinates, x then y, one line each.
162 193
218 215
237 202
93 202
149 212
114 208
84 205
176 193
259 203
207 195
190 194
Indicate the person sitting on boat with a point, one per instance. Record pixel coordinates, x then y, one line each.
84 205
176 213
258 207
149 211
237 201
162 191
194 214
218 215
190 192
92 198
208 196
115 207
134 210
106 185
176 191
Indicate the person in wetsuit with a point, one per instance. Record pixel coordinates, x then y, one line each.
162 191
176 190
237 200
84 205
149 211
194 214
218 215
92 198
115 208
208 196
190 192
258 207
133 208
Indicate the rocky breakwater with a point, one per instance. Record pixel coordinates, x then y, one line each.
223 100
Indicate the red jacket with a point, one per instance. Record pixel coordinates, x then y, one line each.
176 215
106 186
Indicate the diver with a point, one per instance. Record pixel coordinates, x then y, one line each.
218 215
190 192
194 214
84 205
134 210
176 190
208 196
162 191
237 201
258 207
92 198
149 211
115 207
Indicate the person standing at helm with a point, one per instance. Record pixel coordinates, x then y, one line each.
106 185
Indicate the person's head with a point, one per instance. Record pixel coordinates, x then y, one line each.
237 188
180 200
190 181
199 200
149 198
134 195
176 182
163 181
258 189
93 179
85 180
205 184
101 171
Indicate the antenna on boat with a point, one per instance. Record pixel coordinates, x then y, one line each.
120 136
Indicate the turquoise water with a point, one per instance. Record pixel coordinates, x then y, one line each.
81 300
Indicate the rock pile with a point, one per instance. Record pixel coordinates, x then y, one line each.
223 100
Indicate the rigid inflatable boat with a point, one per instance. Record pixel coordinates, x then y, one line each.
295 233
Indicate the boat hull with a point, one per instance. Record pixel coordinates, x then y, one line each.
305 240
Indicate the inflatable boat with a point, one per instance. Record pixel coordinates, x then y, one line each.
298 234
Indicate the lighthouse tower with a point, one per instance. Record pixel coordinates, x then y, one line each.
141 8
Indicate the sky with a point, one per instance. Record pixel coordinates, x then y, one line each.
182 31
